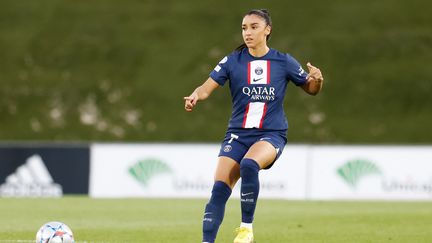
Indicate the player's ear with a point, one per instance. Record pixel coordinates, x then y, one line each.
267 30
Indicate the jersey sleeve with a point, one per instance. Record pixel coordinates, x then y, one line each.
295 72
220 73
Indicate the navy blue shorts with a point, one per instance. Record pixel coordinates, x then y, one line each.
238 141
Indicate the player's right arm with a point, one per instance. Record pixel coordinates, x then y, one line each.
200 93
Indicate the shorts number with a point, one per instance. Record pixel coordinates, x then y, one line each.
233 136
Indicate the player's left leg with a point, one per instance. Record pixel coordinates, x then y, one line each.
260 155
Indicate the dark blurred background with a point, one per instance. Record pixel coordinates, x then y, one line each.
118 70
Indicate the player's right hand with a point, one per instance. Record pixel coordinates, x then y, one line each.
190 101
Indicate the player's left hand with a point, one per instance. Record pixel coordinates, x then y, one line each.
314 73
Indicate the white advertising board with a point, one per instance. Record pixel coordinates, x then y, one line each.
370 172
302 172
172 170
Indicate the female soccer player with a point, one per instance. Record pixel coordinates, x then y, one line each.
257 129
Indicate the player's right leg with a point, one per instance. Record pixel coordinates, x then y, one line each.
226 176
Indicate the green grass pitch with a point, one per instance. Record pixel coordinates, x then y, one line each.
179 220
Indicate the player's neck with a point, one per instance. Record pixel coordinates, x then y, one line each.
259 51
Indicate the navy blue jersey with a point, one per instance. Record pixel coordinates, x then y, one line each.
258 87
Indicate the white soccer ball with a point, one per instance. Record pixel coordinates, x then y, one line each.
54 232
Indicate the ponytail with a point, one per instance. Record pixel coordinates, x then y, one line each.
241 47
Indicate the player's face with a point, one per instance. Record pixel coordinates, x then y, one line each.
254 31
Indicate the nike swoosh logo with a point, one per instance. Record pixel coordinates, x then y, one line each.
207 213
258 79
245 194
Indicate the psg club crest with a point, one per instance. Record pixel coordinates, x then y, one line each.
258 71
227 148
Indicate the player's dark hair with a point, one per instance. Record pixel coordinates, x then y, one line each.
264 14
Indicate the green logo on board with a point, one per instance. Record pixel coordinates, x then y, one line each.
354 170
144 170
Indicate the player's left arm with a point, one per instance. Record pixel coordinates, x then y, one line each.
314 80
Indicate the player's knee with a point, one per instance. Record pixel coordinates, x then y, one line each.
230 182
248 167
221 188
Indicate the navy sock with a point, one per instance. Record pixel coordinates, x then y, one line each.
249 188
215 210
